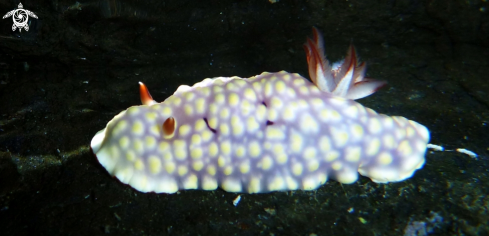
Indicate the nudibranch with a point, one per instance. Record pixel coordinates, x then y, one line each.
270 132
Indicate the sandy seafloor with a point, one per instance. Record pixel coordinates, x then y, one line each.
79 65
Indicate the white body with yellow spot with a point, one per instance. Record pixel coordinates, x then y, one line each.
271 132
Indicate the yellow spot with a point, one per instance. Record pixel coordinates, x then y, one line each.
304 90
276 184
324 144
410 131
211 170
254 149
226 147
373 147
213 149
231 185
119 127
233 99
190 182
317 102
357 131
231 86
177 101
200 105
130 156
334 115
189 110
252 125
291 183
133 110
308 124
310 153
400 133
290 93
276 103
261 112
296 143
240 151
255 185
138 146
196 153
405 148
266 163
374 126
268 89
200 125
155 130
219 98
298 82
124 142
137 128
205 91
221 161
257 87
206 135
282 158
217 88
385 158
150 142
182 170
169 167
250 94
163 147
180 148
154 164
331 156
224 113
273 133
272 115
288 114
310 183
237 126
352 154
244 167
150 116
340 137
228 170
198 165
166 111
388 141
347 177
213 108
246 108
337 165
224 129
138 164
184 130
314 90
313 165
189 96
338 101
280 86
195 140
209 183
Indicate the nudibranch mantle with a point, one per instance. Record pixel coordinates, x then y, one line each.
270 132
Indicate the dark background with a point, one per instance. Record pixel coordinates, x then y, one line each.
79 64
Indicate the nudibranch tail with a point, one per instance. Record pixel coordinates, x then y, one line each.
346 80
146 98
